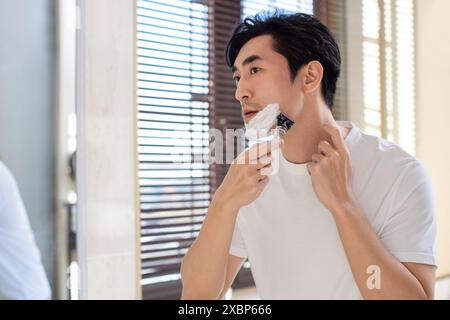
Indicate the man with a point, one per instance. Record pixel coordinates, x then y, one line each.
22 275
347 215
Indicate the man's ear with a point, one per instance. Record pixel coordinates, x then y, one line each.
312 76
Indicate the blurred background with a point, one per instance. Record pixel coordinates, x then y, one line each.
100 99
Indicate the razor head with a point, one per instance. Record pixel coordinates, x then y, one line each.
284 122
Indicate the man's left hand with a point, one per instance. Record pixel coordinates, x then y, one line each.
331 171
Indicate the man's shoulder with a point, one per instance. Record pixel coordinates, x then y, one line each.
387 159
378 149
369 148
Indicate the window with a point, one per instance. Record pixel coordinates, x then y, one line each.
173 134
388 70
251 7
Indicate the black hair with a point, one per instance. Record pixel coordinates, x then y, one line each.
299 37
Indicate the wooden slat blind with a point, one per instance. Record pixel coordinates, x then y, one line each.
173 135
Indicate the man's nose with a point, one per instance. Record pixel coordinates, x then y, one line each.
242 91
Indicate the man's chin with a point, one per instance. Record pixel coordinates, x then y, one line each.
248 118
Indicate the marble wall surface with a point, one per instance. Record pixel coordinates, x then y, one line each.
106 156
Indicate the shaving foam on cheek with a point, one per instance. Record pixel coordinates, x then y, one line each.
264 120
269 125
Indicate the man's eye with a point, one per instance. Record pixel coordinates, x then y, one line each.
236 79
254 70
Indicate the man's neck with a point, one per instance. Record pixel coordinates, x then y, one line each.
302 139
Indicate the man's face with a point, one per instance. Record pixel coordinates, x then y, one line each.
262 77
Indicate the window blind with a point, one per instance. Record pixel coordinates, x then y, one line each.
389 71
173 136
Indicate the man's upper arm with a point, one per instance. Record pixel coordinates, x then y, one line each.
426 274
409 232
234 265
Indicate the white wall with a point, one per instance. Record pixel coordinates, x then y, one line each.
107 150
433 114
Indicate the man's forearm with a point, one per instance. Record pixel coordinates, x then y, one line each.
364 249
204 267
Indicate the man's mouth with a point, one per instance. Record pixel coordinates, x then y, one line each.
249 114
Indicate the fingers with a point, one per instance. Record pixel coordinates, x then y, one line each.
336 138
255 153
326 149
262 178
263 182
261 149
317 158
264 162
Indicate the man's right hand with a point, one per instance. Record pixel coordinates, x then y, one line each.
244 182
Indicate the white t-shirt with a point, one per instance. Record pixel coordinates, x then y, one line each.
22 275
291 239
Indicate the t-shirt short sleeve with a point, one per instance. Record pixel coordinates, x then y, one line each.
410 230
237 247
